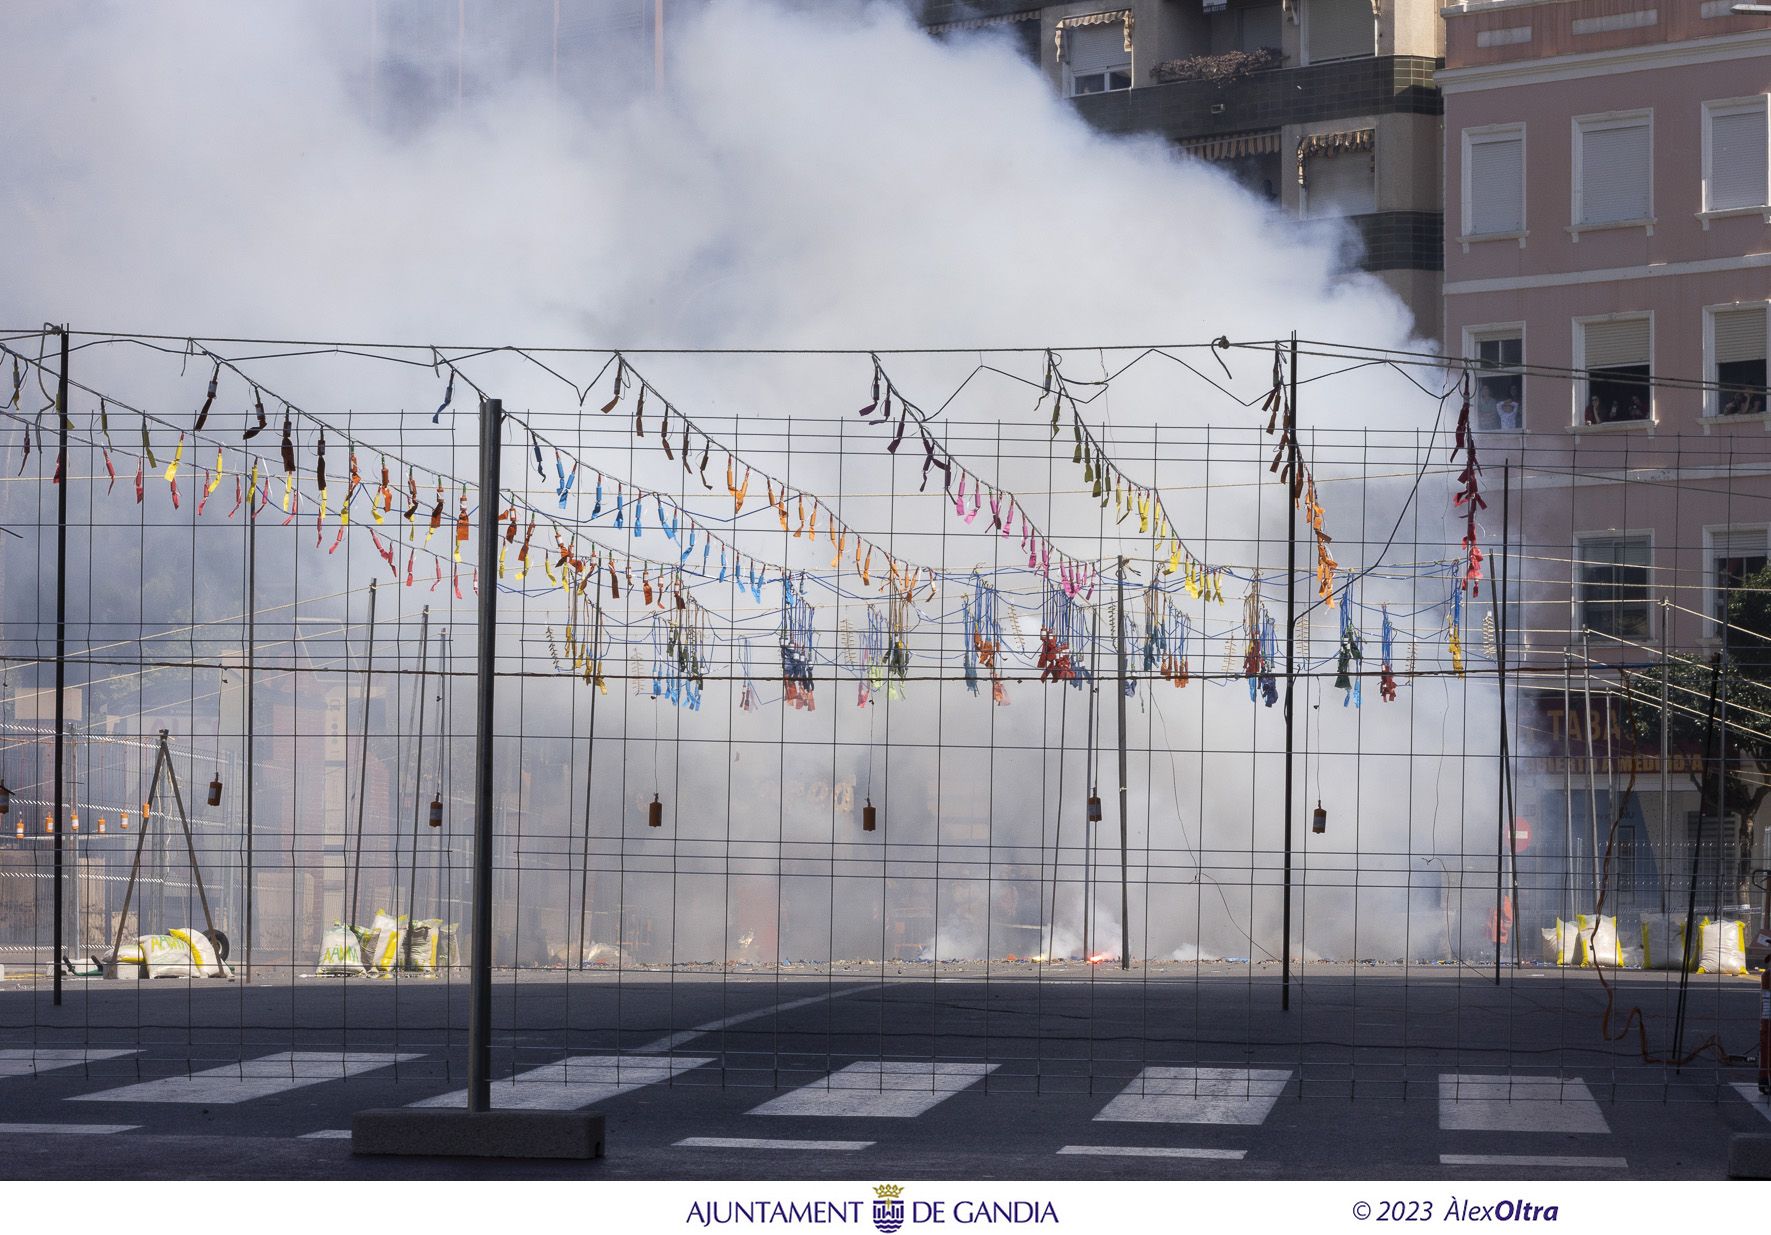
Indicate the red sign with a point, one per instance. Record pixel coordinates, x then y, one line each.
1521 835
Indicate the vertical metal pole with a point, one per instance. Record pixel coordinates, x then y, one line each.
1690 944
61 638
251 683
1506 592
658 43
363 761
596 641
1567 786
1666 807
1291 605
479 1017
1586 689
417 787
1090 833
1506 844
1124 893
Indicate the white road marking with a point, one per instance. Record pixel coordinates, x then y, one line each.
1502 1103
67 1129
326 1134
758 1142
1572 1161
671 1041
251 1078
1155 1151
29 1061
1198 1096
578 1081
879 1089
1750 1091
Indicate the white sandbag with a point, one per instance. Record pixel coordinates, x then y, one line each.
341 953
166 956
1663 940
208 962
422 944
1560 943
1598 941
1721 947
387 935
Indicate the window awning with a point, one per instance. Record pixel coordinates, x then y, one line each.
1232 145
979 23
1327 145
1093 19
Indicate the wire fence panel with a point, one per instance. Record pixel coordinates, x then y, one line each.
1170 756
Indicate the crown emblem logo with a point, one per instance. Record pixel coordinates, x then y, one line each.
888 1191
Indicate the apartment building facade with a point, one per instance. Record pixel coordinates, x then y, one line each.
1607 272
1327 107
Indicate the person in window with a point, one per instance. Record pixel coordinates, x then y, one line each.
1594 412
1508 412
1734 407
1637 411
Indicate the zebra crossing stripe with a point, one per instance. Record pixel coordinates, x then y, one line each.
1239 1096
880 1089
251 1078
579 1081
1470 1102
29 1061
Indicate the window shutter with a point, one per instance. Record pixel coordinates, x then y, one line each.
1740 335
1614 173
1340 185
1609 344
1738 543
1340 29
1497 186
1737 160
1095 49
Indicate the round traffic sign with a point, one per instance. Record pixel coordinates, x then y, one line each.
1521 835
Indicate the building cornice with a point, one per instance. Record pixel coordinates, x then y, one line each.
1744 46
1613 274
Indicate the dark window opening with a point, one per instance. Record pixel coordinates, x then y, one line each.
1617 393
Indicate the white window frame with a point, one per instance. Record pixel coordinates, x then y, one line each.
1070 74
1712 397
1711 108
1070 83
1579 353
1490 133
1487 333
1711 584
1581 125
1578 608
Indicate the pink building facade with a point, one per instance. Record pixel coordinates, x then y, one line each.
1607 273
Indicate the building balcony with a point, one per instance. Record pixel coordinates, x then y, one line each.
1367 86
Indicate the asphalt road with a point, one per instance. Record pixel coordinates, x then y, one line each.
1372 1074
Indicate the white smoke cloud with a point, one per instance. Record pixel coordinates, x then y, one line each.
824 177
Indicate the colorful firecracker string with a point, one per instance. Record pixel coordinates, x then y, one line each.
582 568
